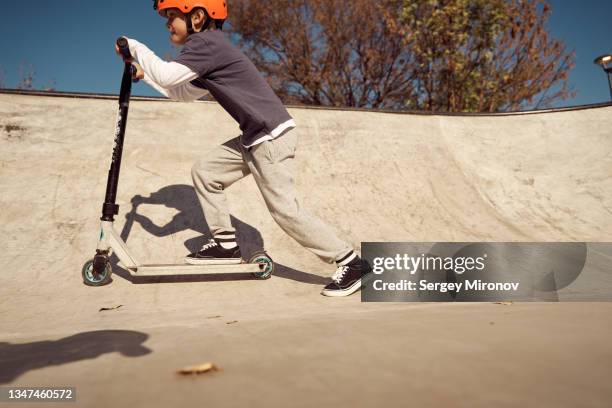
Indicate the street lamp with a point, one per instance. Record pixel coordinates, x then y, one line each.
605 61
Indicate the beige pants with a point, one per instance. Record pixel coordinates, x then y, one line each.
270 163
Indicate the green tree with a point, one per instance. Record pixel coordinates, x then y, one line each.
483 55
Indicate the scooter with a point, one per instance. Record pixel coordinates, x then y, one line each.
98 271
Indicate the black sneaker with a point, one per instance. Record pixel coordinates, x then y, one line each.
212 253
347 279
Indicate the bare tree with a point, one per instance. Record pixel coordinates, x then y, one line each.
326 52
50 86
26 77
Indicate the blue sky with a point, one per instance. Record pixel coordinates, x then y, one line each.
70 43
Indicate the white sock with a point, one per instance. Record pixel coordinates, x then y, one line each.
227 239
346 259
228 245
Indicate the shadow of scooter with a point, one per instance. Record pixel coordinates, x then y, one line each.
182 198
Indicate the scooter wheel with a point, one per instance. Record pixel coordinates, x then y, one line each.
268 265
101 278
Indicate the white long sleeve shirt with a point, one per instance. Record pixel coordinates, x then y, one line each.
171 79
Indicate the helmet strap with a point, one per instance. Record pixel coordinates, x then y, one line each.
189 24
206 22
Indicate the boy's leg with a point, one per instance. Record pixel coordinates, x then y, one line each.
271 165
222 167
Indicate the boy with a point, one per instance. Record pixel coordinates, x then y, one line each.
209 62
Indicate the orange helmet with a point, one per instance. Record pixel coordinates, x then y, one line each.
216 9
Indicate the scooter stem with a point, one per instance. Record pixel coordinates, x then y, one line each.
110 208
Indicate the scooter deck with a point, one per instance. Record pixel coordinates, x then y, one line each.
187 269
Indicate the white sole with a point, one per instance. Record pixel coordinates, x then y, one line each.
341 293
215 261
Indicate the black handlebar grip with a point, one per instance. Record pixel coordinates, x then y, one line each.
124 48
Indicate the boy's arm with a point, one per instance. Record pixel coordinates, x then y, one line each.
183 93
165 74
154 85
171 79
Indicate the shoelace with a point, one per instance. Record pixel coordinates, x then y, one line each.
211 243
339 274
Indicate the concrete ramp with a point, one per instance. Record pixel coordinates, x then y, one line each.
374 177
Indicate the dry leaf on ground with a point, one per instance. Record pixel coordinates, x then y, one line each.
198 369
103 309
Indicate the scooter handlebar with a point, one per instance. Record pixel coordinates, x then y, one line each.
124 48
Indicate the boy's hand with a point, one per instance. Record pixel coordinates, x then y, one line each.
139 74
137 199
121 55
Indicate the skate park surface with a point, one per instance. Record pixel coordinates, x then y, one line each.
373 176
